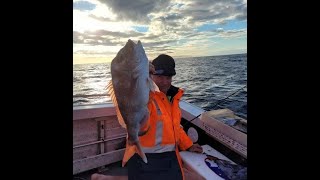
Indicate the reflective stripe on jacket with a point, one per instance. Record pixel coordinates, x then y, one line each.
164 125
164 132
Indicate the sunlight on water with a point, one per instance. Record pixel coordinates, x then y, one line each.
206 81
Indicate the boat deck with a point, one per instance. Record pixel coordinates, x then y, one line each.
99 139
113 169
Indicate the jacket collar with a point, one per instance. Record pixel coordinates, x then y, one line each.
172 92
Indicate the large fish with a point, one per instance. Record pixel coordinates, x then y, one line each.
129 90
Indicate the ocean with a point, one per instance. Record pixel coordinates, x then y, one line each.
210 82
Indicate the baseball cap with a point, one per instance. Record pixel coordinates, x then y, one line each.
164 65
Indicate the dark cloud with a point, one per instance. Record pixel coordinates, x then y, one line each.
218 30
196 13
158 49
90 39
241 17
135 10
77 36
151 37
237 31
157 43
189 35
173 25
153 48
173 17
115 34
155 51
193 13
88 52
103 19
242 10
230 33
214 10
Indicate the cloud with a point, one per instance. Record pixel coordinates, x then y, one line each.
102 19
150 37
91 39
157 43
93 52
116 34
103 37
216 11
230 33
163 26
135 10
172 18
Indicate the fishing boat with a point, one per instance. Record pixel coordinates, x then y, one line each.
99 140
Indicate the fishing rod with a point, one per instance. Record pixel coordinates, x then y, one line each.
219 101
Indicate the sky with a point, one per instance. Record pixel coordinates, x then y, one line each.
179 28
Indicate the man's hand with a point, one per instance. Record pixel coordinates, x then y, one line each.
195 148
152 70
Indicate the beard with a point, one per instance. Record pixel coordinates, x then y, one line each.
164 89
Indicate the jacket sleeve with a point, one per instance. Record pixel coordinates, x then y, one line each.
185 141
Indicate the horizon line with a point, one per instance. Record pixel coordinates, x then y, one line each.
176 57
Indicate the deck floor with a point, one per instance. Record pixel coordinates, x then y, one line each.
113 169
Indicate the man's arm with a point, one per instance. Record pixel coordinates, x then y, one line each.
187 144
195 148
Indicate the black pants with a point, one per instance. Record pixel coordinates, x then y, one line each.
160 166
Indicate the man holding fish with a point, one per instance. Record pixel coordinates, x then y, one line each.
147 105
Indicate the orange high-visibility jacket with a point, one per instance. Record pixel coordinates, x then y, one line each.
164 130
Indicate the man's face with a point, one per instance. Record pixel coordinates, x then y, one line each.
163 82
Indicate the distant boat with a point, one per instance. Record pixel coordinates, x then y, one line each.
99 140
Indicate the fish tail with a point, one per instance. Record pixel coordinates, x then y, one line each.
131 150
141 153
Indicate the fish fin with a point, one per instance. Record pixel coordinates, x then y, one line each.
152 85
128 153
131 150
115 103
145 125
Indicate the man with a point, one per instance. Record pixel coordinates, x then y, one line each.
165 136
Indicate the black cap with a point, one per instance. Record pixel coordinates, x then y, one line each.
164 65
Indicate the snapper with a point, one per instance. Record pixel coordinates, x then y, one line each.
129 90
